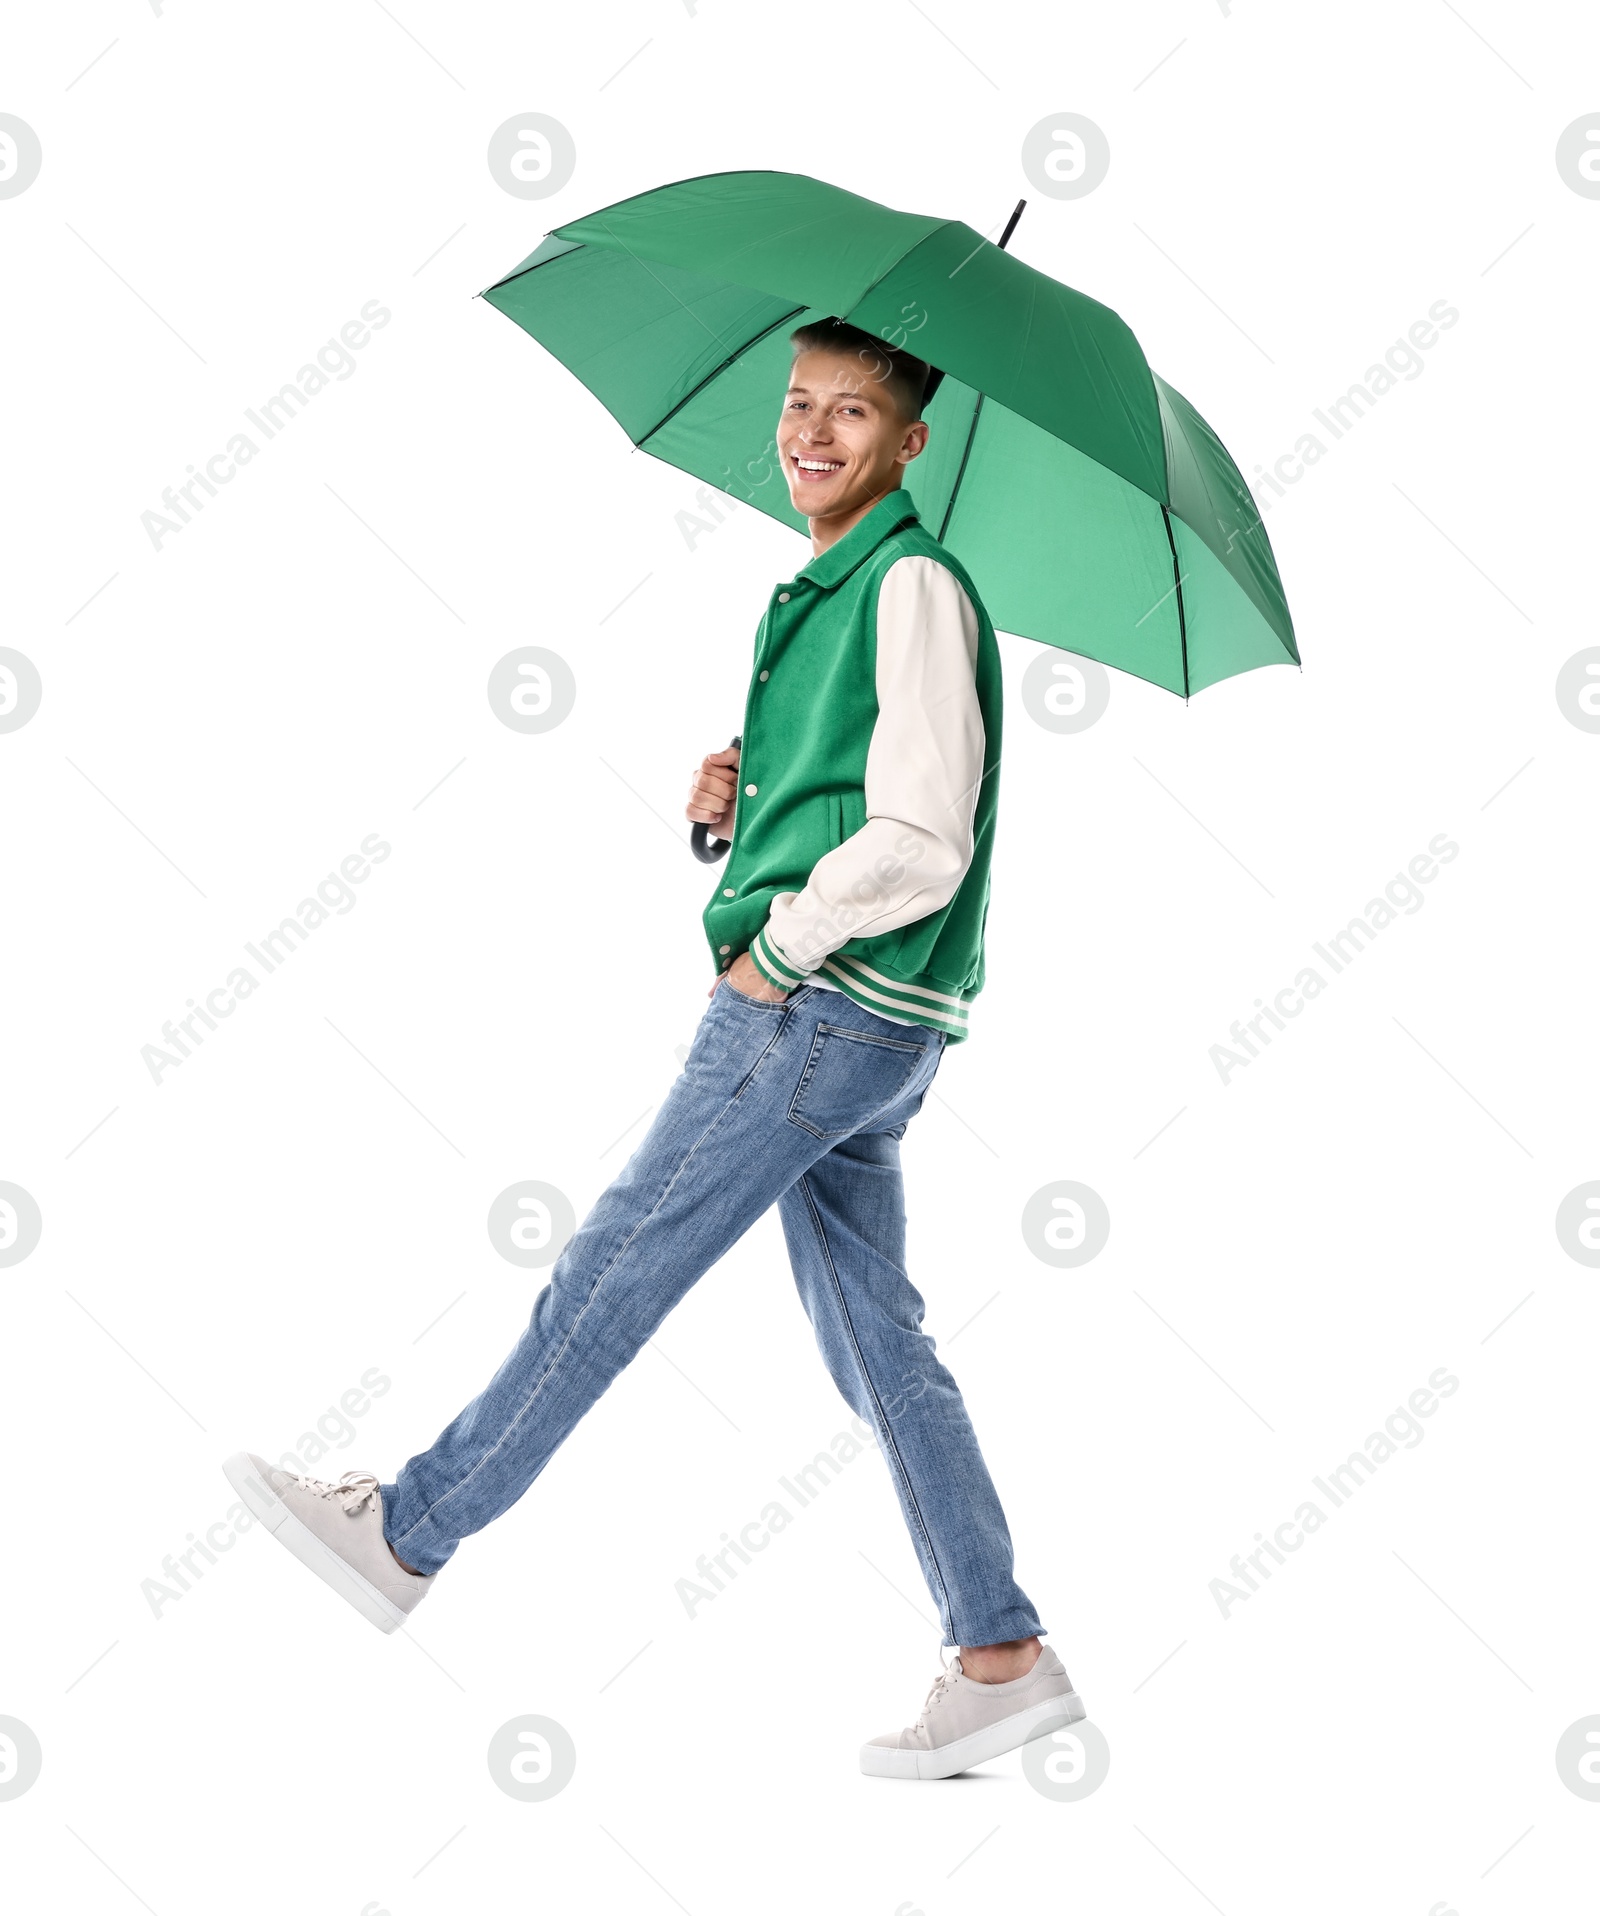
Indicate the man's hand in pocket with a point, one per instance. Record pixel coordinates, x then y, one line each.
745 979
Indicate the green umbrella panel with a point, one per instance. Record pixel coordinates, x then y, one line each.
1094 507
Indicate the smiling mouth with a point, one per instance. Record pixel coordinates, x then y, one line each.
811 471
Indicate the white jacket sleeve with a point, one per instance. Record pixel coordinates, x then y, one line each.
923 774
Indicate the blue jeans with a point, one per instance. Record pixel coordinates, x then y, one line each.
800 1103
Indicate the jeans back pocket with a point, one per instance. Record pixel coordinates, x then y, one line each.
849 1078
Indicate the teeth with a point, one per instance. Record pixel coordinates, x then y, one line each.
819 465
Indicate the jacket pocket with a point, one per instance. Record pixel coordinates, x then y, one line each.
847 813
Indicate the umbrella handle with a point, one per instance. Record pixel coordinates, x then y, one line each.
707 849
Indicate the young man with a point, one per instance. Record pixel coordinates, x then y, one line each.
847 932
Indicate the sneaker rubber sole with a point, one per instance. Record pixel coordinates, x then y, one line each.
980 1746
268 1508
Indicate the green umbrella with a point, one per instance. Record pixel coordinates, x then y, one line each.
1094 507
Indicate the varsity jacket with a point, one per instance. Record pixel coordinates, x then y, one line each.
868 779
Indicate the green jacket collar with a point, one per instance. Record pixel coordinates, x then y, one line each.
893 510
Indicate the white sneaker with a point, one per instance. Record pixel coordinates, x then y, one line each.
965 1722
335 1530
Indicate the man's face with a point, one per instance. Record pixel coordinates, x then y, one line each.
841 436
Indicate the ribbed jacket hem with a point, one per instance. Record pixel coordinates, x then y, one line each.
773 967
945 1011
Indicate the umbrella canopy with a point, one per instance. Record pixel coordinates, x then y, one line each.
1094 508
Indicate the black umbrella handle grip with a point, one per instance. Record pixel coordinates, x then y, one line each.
706 848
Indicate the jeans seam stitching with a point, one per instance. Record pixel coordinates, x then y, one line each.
804 1182
823 1033
439 1502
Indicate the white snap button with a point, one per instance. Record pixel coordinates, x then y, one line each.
749 791
765 676
783 598
727 891
724 947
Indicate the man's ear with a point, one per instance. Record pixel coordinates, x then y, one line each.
916 438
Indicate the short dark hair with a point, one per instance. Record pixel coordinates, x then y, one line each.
906 376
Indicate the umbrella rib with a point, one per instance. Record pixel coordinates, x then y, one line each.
1177 586
972 433
700 386
794 313
522 272
895 264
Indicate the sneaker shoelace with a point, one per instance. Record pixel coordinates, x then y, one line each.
352 1492
942 1684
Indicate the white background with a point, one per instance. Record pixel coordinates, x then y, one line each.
223 1255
